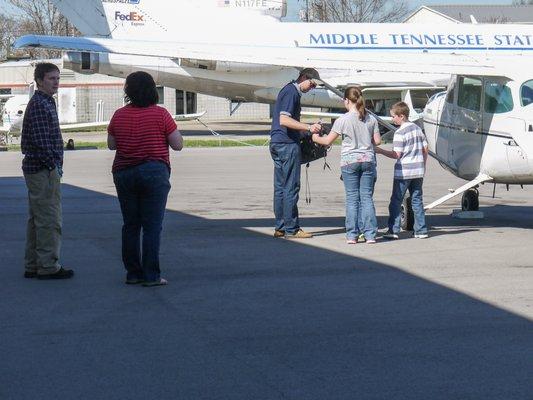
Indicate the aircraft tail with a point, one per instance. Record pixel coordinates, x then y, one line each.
149 19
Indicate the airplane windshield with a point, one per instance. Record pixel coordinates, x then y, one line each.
498 98
526 93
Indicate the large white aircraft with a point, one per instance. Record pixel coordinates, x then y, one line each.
207 22
249 59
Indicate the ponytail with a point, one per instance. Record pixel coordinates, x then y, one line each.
355 95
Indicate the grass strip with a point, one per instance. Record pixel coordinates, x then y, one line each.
187 143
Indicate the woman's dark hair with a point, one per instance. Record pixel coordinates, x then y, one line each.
140 89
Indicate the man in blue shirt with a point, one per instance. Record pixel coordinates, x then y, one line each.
285 136
42 146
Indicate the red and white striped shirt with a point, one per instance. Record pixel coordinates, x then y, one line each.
141 135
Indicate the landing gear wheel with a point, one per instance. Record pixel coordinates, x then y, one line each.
406 215
470 200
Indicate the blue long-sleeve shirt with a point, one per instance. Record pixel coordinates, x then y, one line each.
41 141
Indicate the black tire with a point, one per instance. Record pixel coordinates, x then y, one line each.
470 200
407 216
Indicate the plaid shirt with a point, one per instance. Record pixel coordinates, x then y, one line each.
41 142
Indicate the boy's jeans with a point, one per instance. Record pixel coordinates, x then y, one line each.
399 188
358 181
286 157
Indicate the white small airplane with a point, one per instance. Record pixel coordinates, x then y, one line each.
468 130
481 130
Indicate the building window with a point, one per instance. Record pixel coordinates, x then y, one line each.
161 93
185 102
191 102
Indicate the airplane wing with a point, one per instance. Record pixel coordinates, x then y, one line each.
291 56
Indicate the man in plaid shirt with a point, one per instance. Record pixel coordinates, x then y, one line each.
42 146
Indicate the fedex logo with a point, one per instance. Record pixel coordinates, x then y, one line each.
132 16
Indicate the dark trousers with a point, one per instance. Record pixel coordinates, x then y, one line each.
142 192
286 159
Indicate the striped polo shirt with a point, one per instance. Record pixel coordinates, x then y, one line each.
141 135
409 140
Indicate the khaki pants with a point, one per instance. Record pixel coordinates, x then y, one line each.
43 236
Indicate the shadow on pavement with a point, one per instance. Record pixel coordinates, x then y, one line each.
245 316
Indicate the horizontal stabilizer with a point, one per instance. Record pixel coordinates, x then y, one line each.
320 114
189 117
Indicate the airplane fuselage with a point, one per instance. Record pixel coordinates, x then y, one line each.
483 126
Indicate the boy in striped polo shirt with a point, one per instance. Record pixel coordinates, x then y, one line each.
410 149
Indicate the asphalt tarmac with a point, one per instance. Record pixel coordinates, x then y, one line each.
247 316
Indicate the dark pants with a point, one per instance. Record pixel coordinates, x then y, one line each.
142 191
286 159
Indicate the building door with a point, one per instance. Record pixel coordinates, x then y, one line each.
66 105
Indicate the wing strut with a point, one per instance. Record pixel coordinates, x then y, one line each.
479 179
380 120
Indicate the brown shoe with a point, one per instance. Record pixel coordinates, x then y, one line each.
300 234
279 234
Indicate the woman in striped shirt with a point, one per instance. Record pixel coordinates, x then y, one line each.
141 133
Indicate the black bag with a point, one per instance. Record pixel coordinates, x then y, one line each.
312 151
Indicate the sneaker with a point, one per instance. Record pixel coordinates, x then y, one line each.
421 235
361 238
299 234
160 282
371 241
62 273
391 236
279 234
351 241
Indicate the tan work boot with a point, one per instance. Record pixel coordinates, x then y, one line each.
279 234
300 234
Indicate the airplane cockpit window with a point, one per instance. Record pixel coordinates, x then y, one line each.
526 93
469 94
498 98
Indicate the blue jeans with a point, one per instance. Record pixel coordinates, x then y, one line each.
142 192
358 181
286 157
360 224
399 188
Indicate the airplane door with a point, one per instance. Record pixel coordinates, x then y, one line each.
498 103
447 114
467 127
